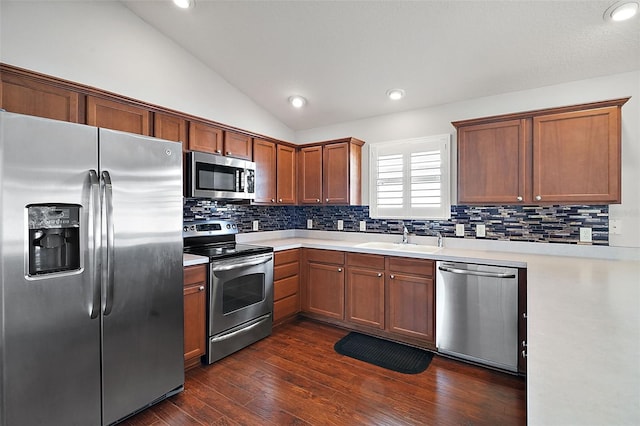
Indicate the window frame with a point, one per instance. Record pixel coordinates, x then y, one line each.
406 147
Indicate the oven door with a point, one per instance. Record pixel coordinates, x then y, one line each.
241 290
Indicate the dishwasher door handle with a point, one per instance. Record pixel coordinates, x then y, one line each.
476 273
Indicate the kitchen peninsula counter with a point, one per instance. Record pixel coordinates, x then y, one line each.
583 326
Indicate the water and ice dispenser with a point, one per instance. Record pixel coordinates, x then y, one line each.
54 238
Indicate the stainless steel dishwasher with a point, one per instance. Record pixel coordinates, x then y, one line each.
477 313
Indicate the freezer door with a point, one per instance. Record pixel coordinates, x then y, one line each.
142 330
50 345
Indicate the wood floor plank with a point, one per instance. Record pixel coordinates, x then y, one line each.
295 377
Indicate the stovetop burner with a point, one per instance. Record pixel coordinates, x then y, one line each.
216 240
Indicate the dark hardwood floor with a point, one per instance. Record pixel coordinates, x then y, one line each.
294 377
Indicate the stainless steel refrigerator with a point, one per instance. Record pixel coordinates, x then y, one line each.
91 317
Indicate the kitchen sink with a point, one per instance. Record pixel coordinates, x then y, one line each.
417 248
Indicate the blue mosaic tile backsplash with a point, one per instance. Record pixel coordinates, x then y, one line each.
553 224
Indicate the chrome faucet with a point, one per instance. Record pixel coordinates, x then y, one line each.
405 235
440 240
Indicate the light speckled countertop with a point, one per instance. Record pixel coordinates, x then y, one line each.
583 321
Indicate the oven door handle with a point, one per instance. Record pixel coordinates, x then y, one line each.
231 266
260 321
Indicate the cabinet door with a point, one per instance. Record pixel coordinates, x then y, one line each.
325 290
205 138
237 145
310 166
171 128
365 297
25 96
194 321
492 163
335 172
194 314
118 116
576 157
264 155
286 175
411 306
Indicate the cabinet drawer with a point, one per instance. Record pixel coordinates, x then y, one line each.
286 270
195 274
373 261
286 256
286 307
325 256
411 266
285 287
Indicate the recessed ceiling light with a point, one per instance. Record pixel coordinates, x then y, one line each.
297 101
621 11
184 4
395 94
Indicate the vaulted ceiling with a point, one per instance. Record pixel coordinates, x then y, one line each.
343 56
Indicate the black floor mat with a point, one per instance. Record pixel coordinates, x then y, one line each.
390 355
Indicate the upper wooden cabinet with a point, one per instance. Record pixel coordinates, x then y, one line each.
237 145
310 170
330 173
170 127
207 138
24 95
275 172
117 115
560 155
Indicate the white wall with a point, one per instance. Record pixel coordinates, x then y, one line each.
104 45
437 120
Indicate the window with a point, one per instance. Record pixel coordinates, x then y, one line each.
409 179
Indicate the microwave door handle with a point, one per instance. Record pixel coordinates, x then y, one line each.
94 243
231 266
242 180
109 261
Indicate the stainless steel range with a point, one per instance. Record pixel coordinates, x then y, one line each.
240 290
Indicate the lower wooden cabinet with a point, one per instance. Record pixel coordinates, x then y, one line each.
365 290
324 283
388 296
411 298
286 285
195 303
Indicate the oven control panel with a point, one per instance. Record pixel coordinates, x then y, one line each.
209 228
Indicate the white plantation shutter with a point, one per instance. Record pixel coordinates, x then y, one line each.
410 179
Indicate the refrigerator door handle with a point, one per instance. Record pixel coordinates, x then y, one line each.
108 221
94 243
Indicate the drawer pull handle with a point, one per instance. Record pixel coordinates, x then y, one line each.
392 276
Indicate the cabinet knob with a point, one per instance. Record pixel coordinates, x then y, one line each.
538 198
519 198
326 200
273 200
524 354
218 151
379 274
524 343
392 276
201 288
228 152
317 200
524 315
339 269
280 200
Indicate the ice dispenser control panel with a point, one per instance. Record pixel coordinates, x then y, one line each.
54 238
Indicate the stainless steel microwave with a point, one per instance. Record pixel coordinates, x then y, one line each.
218 177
